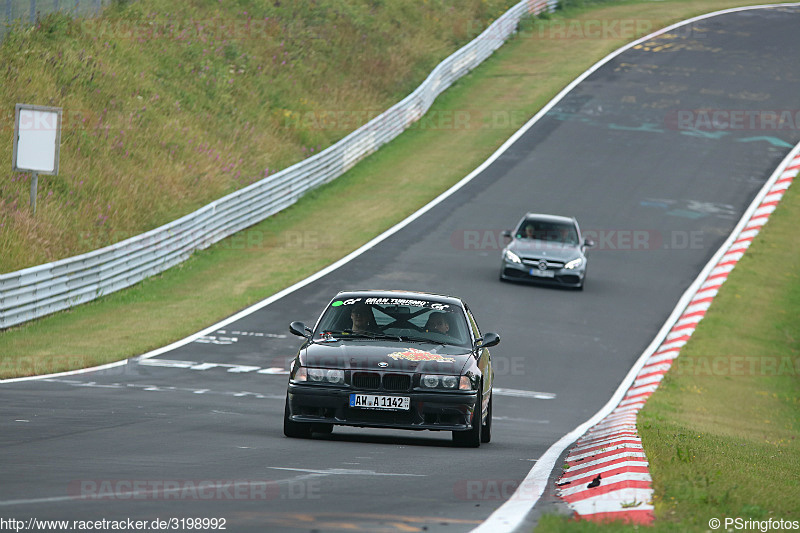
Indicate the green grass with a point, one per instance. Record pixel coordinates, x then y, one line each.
168 106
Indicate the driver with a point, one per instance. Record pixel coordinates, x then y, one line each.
363 319
530 232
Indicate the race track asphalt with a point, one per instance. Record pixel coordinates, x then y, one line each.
628 152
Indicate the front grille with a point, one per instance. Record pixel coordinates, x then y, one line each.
534 262
514 273
396 382
367 380
376 381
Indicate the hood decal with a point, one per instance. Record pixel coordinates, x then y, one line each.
412 354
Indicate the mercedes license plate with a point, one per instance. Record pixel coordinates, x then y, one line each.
542 273
372 401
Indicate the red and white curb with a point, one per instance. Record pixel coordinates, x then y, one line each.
606 474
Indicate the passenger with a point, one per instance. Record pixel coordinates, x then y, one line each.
438 323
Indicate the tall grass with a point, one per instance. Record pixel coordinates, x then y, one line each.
170 105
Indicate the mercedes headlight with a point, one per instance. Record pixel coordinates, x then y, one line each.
512 257
575 263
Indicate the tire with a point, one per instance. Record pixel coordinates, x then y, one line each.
294 430
471 438
486 432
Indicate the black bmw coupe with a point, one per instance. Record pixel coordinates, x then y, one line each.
388 359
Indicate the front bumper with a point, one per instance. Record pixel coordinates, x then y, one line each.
438 411
565 277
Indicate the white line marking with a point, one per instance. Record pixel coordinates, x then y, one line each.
524 393
518 421
138 494
194 365
163 388
69 373
343 472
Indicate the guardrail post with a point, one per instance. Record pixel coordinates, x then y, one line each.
33 12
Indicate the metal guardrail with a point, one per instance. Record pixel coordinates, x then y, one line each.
38 291
26 11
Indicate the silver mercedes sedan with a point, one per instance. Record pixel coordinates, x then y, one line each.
545 249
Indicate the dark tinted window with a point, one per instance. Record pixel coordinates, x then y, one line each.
418 319
547 231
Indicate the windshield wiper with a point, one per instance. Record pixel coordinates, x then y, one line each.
380 335
349 333
420 339
432 341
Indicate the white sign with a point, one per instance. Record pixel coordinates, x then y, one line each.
37 137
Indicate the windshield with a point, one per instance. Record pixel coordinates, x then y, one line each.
547 231
398 318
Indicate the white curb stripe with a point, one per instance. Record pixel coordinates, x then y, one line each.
628 476
608 445
624 447
608 459
574 476
614 502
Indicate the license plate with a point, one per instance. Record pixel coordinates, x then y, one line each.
372 401
542 273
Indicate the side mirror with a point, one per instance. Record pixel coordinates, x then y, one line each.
588 243
506 234
300 329
488 340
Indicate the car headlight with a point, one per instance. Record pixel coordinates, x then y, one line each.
318 375
430 381
512 257
575 263
448 382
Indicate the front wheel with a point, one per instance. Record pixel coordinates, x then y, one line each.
294 430
471 438
486 432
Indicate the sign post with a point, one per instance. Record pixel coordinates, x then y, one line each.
37 139
34 187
